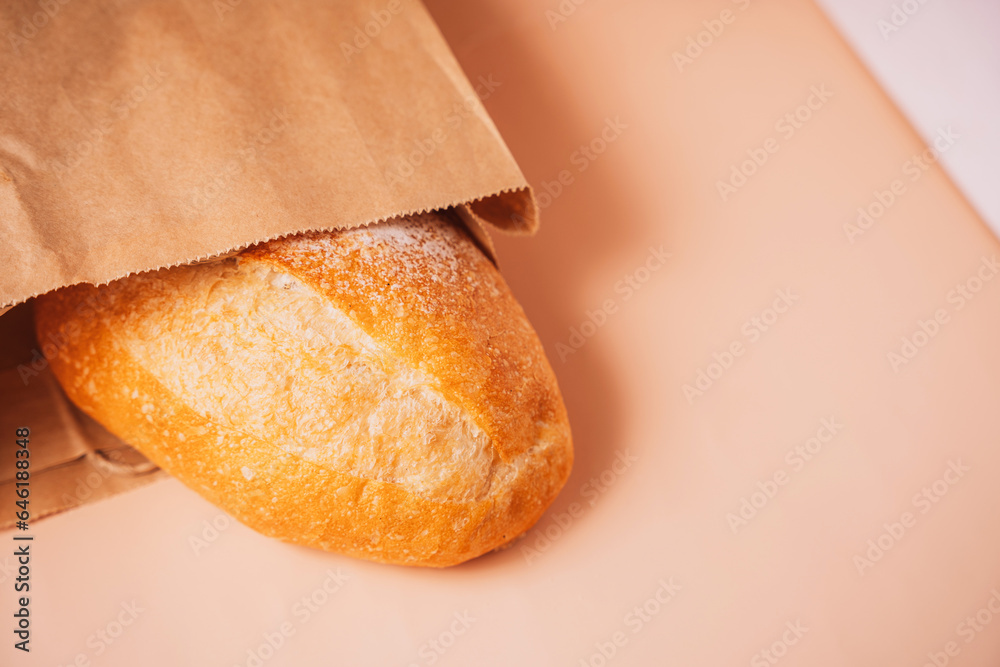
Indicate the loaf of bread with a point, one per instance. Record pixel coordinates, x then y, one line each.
376 392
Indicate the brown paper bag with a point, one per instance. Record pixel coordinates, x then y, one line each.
137 135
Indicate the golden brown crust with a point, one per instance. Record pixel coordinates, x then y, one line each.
376 392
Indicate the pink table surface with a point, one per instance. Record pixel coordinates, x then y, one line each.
819 502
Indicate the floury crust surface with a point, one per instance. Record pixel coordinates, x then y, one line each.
376 392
